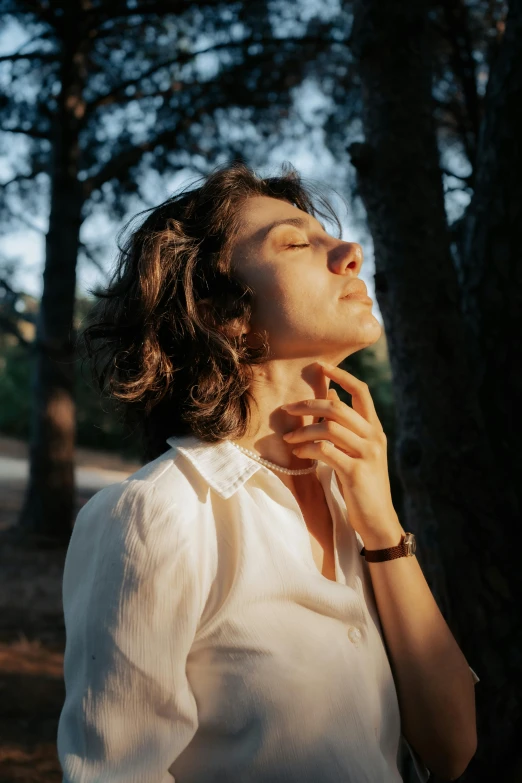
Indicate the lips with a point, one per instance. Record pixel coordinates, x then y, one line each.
359 298
356 292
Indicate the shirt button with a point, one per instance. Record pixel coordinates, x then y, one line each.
354 635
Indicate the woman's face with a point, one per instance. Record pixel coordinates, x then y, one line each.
299 274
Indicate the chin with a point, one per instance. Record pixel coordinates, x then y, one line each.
373 331
369 337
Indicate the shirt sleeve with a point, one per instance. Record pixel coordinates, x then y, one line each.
131 606
421 769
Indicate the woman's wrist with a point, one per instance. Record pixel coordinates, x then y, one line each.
383 539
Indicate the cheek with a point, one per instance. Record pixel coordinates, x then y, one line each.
283 300
274 292
280 311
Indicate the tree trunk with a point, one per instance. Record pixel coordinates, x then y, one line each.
50 497
452 500
491 263
491 283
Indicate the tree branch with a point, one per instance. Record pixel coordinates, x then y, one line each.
18 178
44 56
94 261
22 218
468 180
155 8
459 188
33 132
126 159
35 9
183 58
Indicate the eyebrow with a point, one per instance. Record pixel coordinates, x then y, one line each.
296 221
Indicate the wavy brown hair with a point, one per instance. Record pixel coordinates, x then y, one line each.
172 368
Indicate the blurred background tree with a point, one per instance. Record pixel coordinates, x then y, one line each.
98 424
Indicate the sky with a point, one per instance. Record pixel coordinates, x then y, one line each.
311 157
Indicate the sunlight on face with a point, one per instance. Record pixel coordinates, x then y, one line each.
299 274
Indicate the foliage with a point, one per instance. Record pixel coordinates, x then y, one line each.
143 88
98 426
15 402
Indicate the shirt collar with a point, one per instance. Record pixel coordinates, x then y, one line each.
221 464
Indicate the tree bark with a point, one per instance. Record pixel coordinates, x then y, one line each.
452 499
491 264
48 508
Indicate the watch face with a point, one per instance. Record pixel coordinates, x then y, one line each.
411 543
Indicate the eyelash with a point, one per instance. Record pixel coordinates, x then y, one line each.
305 245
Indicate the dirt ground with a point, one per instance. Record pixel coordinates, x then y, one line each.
32 635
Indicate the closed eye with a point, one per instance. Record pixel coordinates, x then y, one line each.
305 245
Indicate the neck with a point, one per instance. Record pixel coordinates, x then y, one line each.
272 387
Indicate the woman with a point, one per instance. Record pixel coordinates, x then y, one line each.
221 622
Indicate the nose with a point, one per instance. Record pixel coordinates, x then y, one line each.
349 255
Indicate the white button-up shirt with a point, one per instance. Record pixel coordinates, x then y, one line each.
204 646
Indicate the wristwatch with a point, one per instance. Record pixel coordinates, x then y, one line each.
406 548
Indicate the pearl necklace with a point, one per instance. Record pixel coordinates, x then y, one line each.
298 472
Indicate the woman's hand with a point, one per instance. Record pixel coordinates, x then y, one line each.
353 442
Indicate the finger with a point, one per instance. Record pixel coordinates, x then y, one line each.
362 401
333 410
325 451
332 395
340 436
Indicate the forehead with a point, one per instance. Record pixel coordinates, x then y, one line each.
259 213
